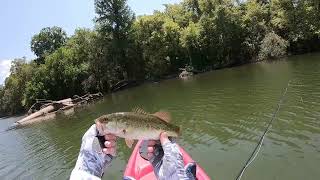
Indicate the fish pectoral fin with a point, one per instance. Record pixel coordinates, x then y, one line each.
165 116
129 142
139 110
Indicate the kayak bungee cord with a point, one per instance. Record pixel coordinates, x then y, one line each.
258 146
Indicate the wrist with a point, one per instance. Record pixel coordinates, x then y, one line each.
171 148
92 164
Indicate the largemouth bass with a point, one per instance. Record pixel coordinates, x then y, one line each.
136 125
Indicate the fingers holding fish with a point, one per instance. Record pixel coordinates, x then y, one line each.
150 155
110 137
111 151
110 144
151 143
164 138
151 149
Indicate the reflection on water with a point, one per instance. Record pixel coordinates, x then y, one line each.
222 115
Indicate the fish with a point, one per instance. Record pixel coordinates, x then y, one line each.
136 125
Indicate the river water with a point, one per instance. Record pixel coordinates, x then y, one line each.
222 115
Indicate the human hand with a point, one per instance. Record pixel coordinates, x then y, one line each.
151 148
110 145
167 161
155 146
92 158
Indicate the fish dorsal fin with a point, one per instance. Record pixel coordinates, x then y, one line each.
139 110
129 142
165 116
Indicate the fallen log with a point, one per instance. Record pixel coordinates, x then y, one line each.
123 84
48 116
65 101
38 105
48 108
52 107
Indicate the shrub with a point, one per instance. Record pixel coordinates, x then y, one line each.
272 46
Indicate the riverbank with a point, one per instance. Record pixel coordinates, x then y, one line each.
176 75
135 83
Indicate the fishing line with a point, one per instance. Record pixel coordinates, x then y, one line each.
259 145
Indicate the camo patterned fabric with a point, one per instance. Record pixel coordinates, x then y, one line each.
91 159
170 166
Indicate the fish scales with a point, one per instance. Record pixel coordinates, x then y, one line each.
131 125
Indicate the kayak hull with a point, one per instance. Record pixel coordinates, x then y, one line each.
139 168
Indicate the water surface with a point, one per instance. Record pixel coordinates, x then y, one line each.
222 115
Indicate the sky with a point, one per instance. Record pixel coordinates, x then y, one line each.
21 19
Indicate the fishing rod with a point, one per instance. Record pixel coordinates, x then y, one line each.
258 146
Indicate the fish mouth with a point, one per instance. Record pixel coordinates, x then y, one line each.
100 124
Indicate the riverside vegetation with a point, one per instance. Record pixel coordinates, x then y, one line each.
203 34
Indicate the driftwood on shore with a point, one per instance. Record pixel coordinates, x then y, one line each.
47 109
185 73
124 84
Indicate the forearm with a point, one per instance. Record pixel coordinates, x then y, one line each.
89 163
92 161
173 166
168 163
77 174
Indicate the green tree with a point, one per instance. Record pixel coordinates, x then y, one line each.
255 20
178 14
159 37
64 71
190 41
273 46
222 35
149 36
89 49
297 21
193 7
114 20
2 111
38 86
12 99
47 41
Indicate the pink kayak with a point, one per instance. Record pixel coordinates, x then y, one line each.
140 169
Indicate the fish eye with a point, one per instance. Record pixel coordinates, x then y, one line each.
104 119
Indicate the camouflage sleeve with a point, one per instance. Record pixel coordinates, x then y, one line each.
91 159
170 166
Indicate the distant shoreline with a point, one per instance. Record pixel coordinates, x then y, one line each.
176 75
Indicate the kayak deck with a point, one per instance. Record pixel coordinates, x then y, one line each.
139 168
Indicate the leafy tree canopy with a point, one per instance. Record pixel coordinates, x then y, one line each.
47 41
